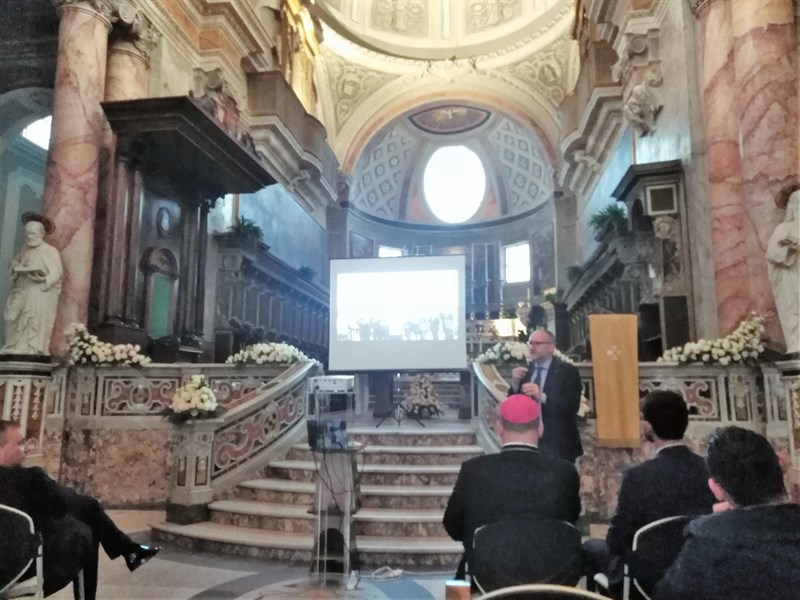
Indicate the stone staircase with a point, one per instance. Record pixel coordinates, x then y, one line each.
407 475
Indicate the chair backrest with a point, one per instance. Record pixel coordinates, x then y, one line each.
655 548
18 545
525 550
541 591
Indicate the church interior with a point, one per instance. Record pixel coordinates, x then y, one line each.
206 171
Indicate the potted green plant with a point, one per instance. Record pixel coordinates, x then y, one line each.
306 273
610 219
247 231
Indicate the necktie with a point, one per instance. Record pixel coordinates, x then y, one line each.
537 375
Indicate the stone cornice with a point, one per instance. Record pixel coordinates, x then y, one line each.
240 19
586 149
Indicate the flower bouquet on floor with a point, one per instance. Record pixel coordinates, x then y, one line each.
193 400
86 349
422 399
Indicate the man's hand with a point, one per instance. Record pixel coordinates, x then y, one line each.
532 390
518 374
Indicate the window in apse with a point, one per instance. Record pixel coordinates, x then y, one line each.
38 132
454 183
389 252
517 259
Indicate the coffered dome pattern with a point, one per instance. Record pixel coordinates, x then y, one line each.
519 175
443 29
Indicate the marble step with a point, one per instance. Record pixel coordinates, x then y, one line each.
286 491
411 434
287 518
401 455
373 551
417 475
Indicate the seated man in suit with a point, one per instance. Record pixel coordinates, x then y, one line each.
751 550
556 386
72 525
674 482
519 481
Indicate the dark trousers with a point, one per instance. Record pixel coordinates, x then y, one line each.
71 545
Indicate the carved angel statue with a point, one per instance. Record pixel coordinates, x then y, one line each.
642 108
783 264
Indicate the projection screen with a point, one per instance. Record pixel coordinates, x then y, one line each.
397 314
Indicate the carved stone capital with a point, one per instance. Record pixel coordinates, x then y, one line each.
132 26
103 8
638 50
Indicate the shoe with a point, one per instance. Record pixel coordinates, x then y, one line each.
141 555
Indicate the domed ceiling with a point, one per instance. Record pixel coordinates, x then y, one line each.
442 29
387 179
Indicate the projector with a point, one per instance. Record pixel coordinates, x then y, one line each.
333 384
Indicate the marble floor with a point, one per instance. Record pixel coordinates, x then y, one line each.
181 575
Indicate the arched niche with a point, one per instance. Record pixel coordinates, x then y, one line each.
161 274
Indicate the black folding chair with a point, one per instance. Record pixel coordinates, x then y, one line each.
655 547
525 550
541 591
20 547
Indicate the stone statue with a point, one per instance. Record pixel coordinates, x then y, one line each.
784 271
36 274
642 108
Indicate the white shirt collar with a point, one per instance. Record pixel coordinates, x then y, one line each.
671 445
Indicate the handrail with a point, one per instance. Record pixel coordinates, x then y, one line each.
716 394
250 430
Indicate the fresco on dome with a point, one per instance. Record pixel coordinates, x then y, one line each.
291 233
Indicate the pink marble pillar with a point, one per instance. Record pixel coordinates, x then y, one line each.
766 93
730 227
70 191
127 71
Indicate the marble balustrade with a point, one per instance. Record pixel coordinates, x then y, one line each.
765 399
107 421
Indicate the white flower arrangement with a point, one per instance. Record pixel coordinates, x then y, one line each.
86 349
267 352
742 345
193 400
422 398
514 353
505 353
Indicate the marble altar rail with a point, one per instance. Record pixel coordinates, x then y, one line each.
764 399
106 421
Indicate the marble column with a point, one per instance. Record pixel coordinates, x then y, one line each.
70 191
729 225
127 71
766 92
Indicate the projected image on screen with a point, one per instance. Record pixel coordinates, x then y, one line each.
397 313
383 306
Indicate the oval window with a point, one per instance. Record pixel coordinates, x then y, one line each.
454 183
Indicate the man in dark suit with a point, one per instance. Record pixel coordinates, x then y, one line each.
752 549
674 482
72 525
520 481
556 386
